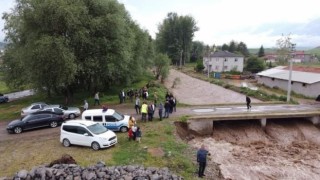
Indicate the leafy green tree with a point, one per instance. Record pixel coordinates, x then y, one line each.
255 64
175 37
242 48
62 45
261 52
225 47
232 46
197 51
161 63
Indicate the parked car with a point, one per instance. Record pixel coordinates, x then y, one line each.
35 120
32 108
86 133
3 99
68 112
109 118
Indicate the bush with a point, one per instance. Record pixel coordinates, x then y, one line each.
199 66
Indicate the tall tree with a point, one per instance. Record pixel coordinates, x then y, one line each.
242 48
232 46
261 52
225 47
197 51
64 44
175 37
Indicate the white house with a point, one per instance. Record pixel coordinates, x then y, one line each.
302 82
222 61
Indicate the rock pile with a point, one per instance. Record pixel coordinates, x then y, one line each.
98 171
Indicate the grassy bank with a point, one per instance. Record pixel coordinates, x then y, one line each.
158 148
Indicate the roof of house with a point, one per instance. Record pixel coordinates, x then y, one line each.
281 72
224 54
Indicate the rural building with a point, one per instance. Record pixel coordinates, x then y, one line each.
222 61
305 81
297 56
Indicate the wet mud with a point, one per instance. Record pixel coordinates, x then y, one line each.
286 149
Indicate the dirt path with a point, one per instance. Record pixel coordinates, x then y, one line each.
197 92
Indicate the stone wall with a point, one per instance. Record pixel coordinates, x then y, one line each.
98 171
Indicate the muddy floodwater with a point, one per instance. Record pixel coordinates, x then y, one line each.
287 149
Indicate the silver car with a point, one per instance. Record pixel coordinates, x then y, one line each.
34 107
68 112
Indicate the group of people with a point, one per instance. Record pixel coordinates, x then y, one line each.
147 111
134 132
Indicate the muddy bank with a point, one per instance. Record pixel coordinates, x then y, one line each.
288 149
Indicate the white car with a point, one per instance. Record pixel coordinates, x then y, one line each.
86 133
68 112
34 107
109 118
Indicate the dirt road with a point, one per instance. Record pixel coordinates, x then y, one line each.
197 92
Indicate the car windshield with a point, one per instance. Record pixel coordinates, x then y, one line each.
118 116
97 128
26 118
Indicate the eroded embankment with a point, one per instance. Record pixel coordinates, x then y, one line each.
288 149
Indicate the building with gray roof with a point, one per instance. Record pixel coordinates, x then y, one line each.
305 83
223 61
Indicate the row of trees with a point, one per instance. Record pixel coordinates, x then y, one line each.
62 45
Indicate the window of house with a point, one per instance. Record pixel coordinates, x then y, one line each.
291 82
217 67
225 60
304 85
272 79
225 67
235 60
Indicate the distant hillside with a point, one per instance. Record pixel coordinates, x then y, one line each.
273 50
315 51
266 50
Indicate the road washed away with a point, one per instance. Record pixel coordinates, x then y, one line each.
242 150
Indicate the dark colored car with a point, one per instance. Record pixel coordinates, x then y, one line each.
35 120
3 99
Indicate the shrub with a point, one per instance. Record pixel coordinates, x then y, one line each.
199 66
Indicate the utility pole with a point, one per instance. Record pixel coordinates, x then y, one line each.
180 59
290 72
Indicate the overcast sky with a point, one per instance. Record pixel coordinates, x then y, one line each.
254 22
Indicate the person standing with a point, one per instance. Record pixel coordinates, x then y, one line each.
202 160
86 105
96 99
160 108
248 100
151 110
137 105
131 122
144 111
138 134
166 109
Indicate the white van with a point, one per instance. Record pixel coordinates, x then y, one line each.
110 118
86 133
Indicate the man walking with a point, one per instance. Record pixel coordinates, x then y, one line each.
202 160
248 100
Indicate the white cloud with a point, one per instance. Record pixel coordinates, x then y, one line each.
221 21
